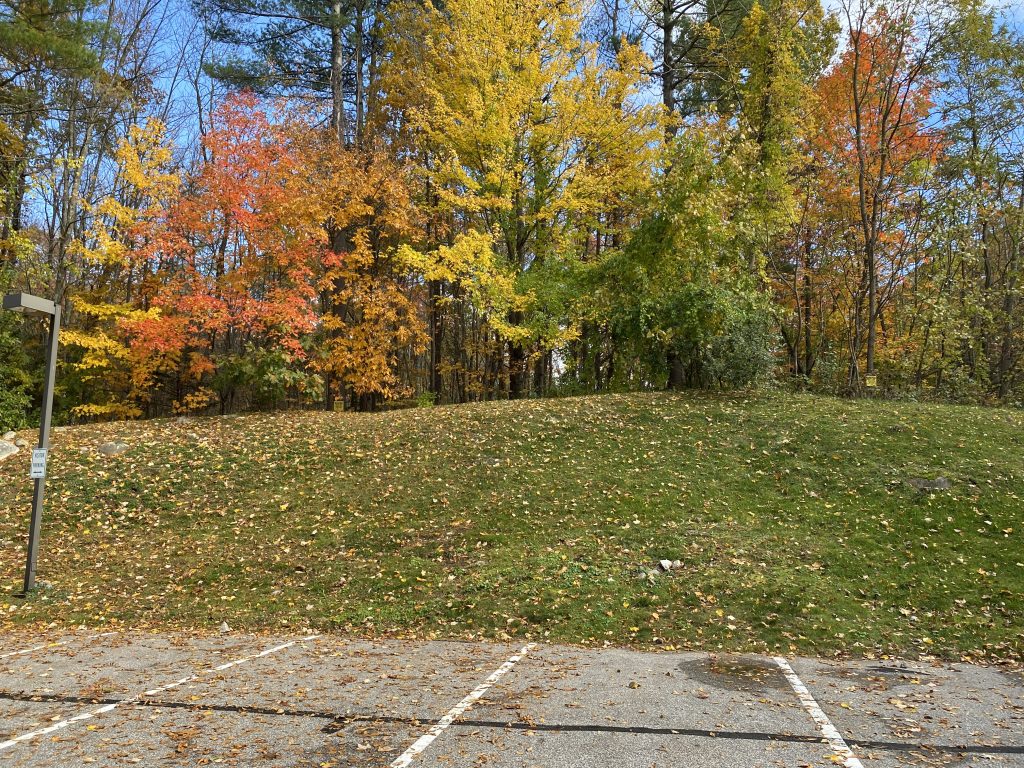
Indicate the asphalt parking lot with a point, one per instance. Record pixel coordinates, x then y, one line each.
179 700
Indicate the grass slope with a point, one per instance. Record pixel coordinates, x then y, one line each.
791 515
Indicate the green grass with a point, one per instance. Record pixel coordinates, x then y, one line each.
791 514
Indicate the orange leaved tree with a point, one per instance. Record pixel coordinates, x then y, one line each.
873 153
253 296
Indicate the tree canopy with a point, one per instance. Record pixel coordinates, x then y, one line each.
366 203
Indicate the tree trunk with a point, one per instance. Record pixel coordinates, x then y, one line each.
436 332
328 391
676 371
360 94
808 352
872 308
337 75
668 83
517 374
1006 353
540 375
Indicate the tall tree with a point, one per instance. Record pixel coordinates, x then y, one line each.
877 139
981 87
320 49
42 44
525 137
693 41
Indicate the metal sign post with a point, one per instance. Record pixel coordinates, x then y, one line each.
23 302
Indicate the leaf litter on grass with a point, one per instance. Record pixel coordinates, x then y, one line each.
790 515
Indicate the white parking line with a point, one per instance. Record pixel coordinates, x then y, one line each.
46 646
424 741
829 731
152 692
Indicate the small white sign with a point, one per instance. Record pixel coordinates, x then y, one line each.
38 464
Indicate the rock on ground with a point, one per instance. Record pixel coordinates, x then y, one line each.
7 449
113 449
938 484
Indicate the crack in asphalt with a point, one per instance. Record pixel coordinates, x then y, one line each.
339 722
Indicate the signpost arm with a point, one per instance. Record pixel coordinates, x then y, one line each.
44 444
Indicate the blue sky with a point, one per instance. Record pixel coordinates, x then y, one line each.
1010 10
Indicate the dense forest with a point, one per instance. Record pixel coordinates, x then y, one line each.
364 203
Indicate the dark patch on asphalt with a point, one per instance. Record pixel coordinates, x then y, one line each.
881 677
735 673
880 669
1016 678
361 742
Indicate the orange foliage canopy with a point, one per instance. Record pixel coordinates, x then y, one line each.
232 256
873 110
278 222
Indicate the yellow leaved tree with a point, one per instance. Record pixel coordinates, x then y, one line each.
113 376
530 152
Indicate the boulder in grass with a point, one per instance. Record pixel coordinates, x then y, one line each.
113 449
7 450
927 486
9 436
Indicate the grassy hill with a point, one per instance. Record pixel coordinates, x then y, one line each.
792 516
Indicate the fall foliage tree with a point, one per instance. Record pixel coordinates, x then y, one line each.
105 365
235 261
524 139
879 96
